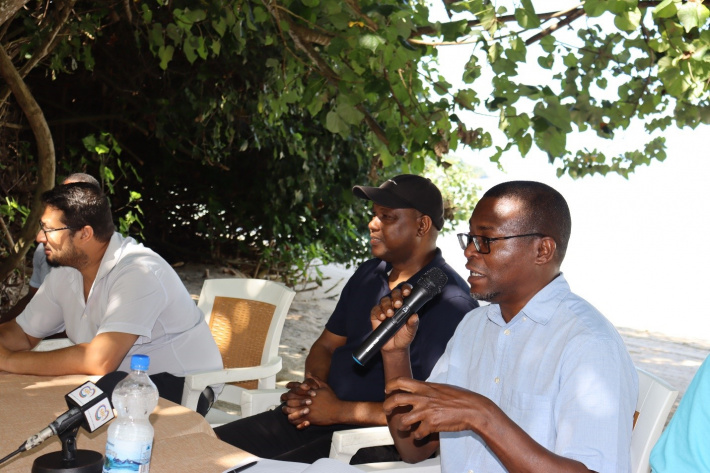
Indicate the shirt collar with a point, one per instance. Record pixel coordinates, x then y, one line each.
112 255
436 262
541 307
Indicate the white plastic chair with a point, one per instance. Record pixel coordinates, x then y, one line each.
656 397
246 317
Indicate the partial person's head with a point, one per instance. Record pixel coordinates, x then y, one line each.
517 240
81 177
74 214
408 212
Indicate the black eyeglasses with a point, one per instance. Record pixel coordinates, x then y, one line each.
483 243
50 230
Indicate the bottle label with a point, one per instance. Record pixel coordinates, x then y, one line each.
126 455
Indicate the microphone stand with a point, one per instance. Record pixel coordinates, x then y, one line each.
69 460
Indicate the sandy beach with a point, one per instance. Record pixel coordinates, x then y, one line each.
673 359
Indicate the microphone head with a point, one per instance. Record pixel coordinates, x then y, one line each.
107 383
93 400
433 281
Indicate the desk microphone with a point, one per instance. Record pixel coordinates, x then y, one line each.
89 407
429 285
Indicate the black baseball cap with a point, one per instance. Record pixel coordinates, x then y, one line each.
407 191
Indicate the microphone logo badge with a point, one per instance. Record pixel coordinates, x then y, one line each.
87 391
103 413
99 414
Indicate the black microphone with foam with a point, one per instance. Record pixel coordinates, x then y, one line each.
429 285
89 407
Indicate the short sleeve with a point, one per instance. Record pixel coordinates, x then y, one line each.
43 316
138 313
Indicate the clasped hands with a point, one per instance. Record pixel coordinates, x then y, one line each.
310 402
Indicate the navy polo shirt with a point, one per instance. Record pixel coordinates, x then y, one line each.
438 319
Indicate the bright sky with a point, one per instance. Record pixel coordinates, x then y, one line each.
638 250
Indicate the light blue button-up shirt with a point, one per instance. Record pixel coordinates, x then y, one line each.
559 370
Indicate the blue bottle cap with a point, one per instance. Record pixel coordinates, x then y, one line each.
140 362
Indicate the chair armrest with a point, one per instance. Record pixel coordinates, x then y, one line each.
195 383
255 401
346 443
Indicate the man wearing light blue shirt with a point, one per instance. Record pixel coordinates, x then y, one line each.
684 445
538 380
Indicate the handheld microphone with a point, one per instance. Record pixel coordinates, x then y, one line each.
89 407
429 285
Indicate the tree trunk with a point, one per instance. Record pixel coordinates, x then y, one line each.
8 8
45 166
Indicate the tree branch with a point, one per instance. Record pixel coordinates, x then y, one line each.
8 8
323 68
552 28
45 166
65 9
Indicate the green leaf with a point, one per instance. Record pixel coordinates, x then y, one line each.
335 124
147 14
165 53
692 15
524 143
595 8
666 9
193 16
526 16
555 114
311 3
220 26
628 20
371 42
548 44
188 47
546 62
570 60
517 51
174 33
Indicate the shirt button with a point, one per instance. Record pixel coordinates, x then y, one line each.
497 380
507 331
525 318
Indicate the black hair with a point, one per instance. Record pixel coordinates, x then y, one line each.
82 204
82 177
546 210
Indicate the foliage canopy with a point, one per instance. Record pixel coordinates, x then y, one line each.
236 128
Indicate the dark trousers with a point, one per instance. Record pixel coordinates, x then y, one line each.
270 435
170 387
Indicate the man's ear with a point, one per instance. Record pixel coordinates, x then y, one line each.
546 250
86 233
425 224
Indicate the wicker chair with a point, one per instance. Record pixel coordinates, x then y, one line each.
246 317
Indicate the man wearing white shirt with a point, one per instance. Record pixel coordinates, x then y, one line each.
114 298
538 380
40 266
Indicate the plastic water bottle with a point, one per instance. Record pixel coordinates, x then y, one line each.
130 435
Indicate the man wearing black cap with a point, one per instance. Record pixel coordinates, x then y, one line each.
337 394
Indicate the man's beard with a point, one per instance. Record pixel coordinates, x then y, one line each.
491 296
73 258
